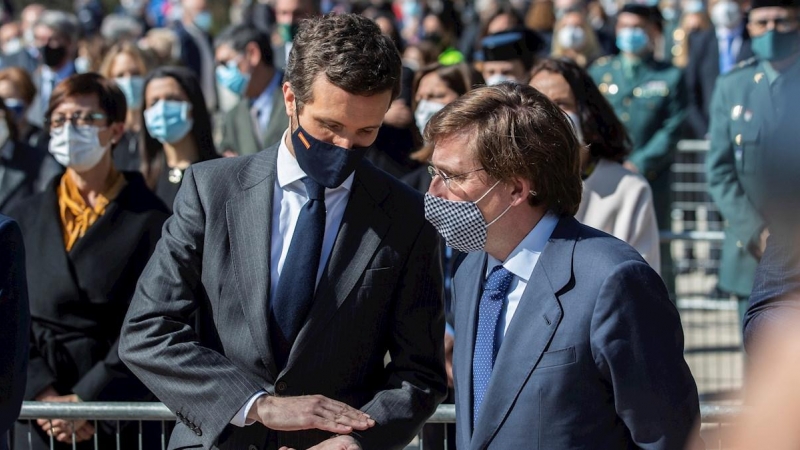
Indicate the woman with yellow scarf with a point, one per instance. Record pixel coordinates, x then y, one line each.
88 236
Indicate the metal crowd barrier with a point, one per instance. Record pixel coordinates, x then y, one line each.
714 418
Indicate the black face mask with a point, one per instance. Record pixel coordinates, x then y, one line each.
53 56
327 164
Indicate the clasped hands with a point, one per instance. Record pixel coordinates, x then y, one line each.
312 412
62 430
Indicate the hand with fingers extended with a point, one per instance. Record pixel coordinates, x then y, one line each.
62 430
334 443
308 412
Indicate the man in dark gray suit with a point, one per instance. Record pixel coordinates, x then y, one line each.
244 67
15 321
564 336
285 278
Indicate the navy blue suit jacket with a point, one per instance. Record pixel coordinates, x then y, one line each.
593 357
15 321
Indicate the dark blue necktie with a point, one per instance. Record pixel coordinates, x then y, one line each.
486 345
297 283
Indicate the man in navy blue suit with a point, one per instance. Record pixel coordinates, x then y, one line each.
564 336
14 325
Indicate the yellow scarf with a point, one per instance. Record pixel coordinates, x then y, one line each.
76 215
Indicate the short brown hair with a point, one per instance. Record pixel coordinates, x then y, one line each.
20 78
111 99
518 132
352 53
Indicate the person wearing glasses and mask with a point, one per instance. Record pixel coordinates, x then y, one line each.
751 165
88 237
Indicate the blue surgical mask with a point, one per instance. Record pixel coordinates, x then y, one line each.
231 78
203 20
133 88
17 107
327 164
632 40
168 120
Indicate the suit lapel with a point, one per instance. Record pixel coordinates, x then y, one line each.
249 218
277 119
364 225
248 138
467 287
528 336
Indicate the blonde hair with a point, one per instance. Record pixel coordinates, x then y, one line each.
121 48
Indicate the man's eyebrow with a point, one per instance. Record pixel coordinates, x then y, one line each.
328 121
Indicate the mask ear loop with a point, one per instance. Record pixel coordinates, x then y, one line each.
533 193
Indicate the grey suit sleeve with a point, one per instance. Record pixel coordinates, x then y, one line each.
417 381
203 387
14 323
637 344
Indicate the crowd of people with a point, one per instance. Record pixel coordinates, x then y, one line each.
224 218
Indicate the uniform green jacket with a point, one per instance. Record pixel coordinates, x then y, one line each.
652 105
749 126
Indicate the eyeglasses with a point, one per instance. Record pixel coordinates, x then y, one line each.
56 123
447 179
781 24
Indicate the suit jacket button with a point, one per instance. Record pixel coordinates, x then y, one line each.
198 432
281 386
252 447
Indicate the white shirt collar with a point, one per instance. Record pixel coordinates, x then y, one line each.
723 33
524 257
289 170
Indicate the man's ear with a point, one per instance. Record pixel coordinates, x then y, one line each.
289 100
521 189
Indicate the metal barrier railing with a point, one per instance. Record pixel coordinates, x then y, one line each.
713 417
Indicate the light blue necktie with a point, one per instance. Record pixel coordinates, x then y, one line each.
486 345
727 59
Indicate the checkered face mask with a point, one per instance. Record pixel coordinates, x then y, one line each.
460 223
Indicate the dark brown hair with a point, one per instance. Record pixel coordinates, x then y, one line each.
350 51
517 132
603 132
459 77
20 78
109 96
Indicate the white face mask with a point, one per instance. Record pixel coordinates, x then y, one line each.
425 110
498 78
77 147
726 14
12 46
571 37
576 125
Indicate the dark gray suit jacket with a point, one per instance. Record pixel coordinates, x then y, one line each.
15 319
238 130
197 330
593 357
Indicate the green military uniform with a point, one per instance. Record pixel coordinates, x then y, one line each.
754 130
650 98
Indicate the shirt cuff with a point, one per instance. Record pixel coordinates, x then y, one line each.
240 418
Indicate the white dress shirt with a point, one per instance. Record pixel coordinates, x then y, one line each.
521 263
288 198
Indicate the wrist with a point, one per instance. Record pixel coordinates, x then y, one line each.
260 409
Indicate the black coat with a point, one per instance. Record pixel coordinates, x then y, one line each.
79 298
27 172
702 72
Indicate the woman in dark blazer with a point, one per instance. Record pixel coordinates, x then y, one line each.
88 237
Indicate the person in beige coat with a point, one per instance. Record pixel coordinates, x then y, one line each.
615 200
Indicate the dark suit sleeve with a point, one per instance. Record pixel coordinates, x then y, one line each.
637 344
744 220
159 342
417 381
696 117
14 323
656 154
776 290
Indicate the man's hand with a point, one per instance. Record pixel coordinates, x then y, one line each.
449 343
62 430
308 412
47 395
334 443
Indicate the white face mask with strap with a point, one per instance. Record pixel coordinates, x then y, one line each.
77 147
